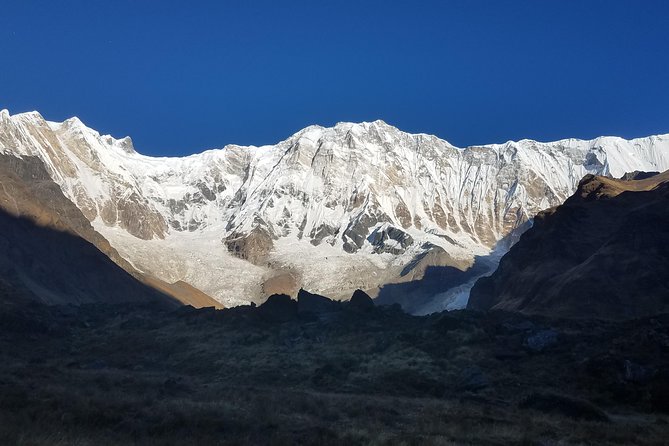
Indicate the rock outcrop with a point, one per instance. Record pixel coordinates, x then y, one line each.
314 303
361 301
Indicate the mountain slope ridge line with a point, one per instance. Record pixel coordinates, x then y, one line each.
343 207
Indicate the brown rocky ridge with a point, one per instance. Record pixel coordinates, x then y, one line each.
603 253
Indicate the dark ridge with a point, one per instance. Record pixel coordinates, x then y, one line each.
638 175
603 253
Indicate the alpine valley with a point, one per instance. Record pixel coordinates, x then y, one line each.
330 210
129 288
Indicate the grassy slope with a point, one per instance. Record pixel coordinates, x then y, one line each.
112 375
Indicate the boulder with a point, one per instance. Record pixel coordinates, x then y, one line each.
361 301
314 303
278 308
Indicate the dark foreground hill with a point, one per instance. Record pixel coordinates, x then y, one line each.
603 253
322 372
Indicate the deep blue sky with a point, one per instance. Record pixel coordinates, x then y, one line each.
180 77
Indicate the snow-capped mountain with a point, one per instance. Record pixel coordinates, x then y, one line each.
328 209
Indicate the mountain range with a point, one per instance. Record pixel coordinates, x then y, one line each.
356 206
115 266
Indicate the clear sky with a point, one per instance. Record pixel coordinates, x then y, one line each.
184 76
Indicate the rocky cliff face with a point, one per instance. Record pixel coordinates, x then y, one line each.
603 253
335 208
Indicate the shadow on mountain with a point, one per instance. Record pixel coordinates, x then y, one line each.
442 286
34 205
56 267
416 294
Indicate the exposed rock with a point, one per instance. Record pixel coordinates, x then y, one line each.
126 144
432 255
361 301
390 239
254 246
313 303
278 308
356 233
281 283
209 194
403 214
326 185
137 217
430 273
323 232
638 175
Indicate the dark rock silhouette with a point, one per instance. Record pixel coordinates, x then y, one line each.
314 303
278 308
638 175
361 301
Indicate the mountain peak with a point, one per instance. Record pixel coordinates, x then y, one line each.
125 143
365 125
345 126
74 122
34 116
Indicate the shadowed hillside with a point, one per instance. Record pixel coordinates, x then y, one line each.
50 251
603 253
319 372
57 267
